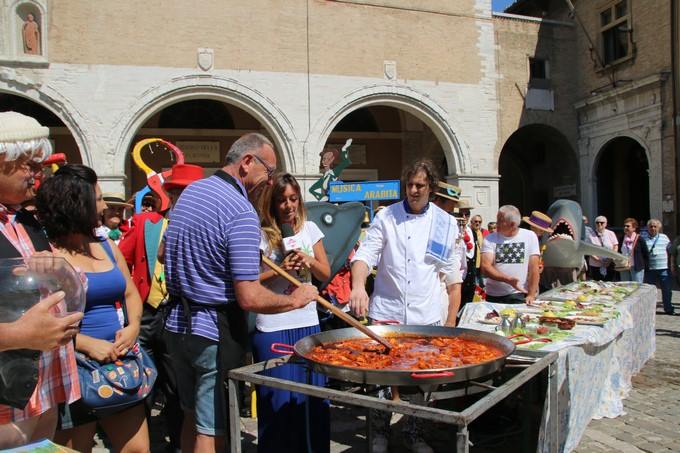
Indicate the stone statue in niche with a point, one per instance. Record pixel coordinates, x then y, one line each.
30 33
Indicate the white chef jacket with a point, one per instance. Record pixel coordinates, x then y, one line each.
407 289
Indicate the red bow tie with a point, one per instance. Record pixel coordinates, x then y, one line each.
4 214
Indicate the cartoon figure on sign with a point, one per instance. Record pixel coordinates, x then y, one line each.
328 156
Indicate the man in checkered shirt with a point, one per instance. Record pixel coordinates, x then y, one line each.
510 260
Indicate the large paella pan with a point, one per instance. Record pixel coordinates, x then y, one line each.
305 349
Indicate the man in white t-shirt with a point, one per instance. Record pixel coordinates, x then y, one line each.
510 260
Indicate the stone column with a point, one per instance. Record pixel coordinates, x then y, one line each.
113 183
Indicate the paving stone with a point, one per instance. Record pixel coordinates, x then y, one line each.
652 448
609 442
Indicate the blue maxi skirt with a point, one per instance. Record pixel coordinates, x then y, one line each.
289 421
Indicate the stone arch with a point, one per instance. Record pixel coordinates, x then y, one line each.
601 144
537 165
55 103
623 193
402 98
213 87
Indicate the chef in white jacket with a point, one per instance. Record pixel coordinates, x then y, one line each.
411 243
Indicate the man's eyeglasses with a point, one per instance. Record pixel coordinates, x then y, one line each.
270 170
601 223
476 221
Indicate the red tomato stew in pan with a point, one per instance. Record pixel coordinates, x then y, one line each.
407 353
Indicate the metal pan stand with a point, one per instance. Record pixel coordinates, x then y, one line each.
531 365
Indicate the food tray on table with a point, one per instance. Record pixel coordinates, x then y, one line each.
586 315
592 291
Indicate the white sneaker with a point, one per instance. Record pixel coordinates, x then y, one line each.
420 446
379 444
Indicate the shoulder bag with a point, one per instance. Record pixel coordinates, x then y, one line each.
118 384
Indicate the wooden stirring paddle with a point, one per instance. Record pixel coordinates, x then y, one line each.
335 310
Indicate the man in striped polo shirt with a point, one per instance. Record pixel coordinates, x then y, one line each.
212 260
657 272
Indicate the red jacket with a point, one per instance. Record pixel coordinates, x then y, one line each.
134 248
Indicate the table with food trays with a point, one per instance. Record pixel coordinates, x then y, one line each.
597 358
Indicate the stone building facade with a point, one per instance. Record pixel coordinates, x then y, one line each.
619 82
295 69
512 107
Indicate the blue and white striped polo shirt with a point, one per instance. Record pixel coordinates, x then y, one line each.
657 247
213 238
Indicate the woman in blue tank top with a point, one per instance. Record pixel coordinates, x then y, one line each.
69 205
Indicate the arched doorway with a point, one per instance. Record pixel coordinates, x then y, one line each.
537 166
203 129
384 140
622 175
60 135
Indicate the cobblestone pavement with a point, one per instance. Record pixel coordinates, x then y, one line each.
651 422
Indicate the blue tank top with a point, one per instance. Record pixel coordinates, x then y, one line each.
103 290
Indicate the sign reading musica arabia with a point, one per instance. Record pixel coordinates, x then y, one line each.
363 191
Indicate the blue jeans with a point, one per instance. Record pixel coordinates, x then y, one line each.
662 279
633 276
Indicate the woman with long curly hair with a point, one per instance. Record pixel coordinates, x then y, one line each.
69 205
289 421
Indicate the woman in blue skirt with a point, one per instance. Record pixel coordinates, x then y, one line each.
289 421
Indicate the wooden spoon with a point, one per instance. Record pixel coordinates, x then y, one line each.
335 310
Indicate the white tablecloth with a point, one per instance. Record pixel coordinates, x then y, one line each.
595 365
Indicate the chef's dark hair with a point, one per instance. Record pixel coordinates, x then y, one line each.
427 167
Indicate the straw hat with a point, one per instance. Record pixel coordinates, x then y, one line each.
462 205
449 191
116 199
540 221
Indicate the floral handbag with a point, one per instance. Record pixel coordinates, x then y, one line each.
116 384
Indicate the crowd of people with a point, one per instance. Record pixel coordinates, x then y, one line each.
178 286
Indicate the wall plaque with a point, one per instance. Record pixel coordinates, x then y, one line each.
200 151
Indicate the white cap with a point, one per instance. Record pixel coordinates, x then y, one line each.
15 127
